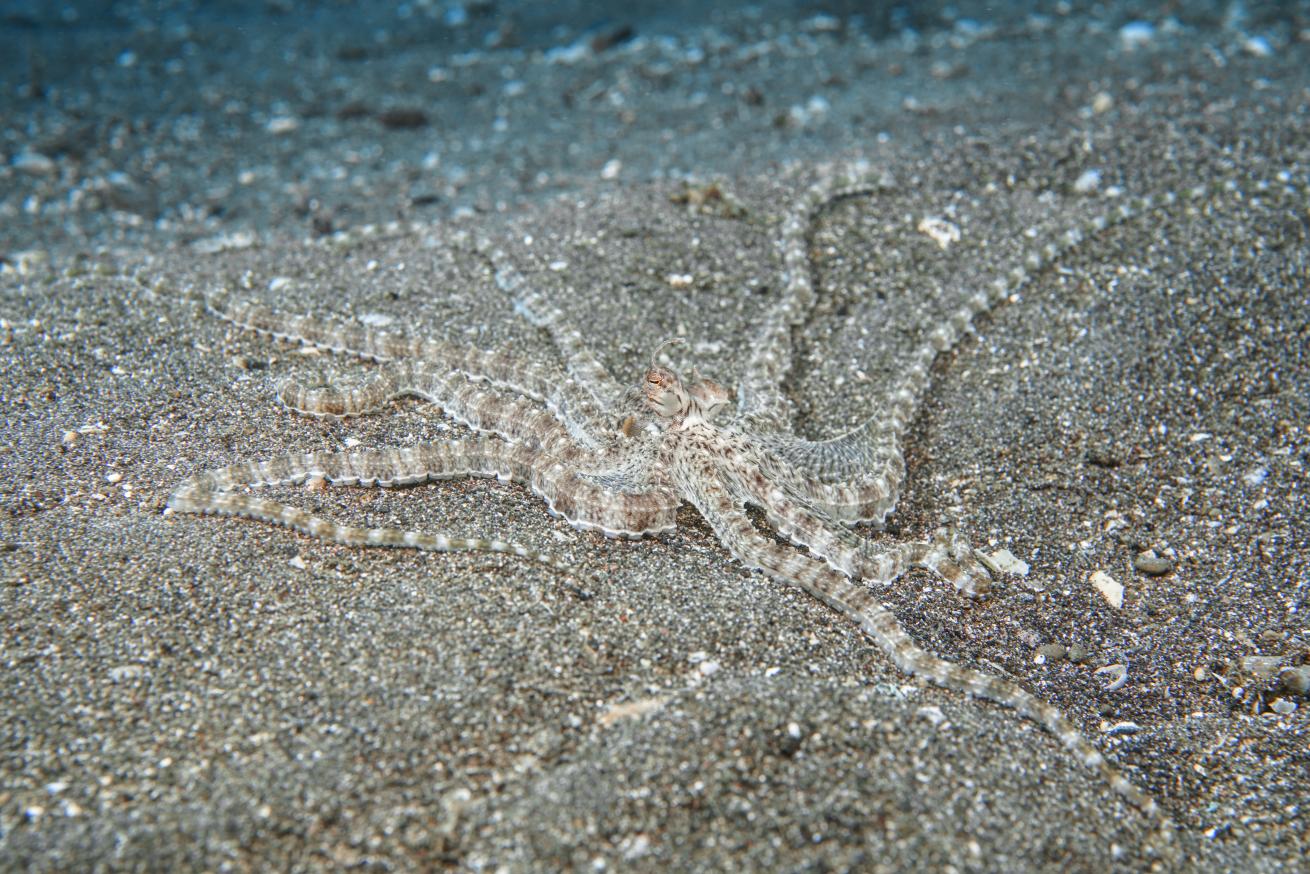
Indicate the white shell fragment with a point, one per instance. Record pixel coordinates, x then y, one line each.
1117 675
1002 562
1087 182
1110 588
942 232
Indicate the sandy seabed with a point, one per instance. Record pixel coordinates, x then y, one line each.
189 693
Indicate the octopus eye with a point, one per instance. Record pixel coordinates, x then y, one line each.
663 392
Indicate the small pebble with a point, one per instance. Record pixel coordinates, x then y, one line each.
1282 706
933 714
942 232
1002 561
1051 652
1117 674
1088 182
1257 47
123 673
403 118
1111 590
282 124
1296 680
34 164
1136 34
1153 564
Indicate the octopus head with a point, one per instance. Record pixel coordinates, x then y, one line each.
683 403
664 392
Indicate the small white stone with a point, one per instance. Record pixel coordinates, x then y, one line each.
612 169
122 673
635 847
282 124
933 714
1257 47
1111 590
1088 182
1136 34
1118 675
1004 562
34 164
298 563
943 233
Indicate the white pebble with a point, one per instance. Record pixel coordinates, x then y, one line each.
1136 34
1003 561
282 124
34 164
1111 590
942 232
1088 182
933 714
1257 47
1118 675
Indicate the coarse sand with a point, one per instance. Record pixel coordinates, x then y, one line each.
187 693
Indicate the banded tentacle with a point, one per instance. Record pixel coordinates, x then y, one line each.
760 399
734 530
214 492
573 408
